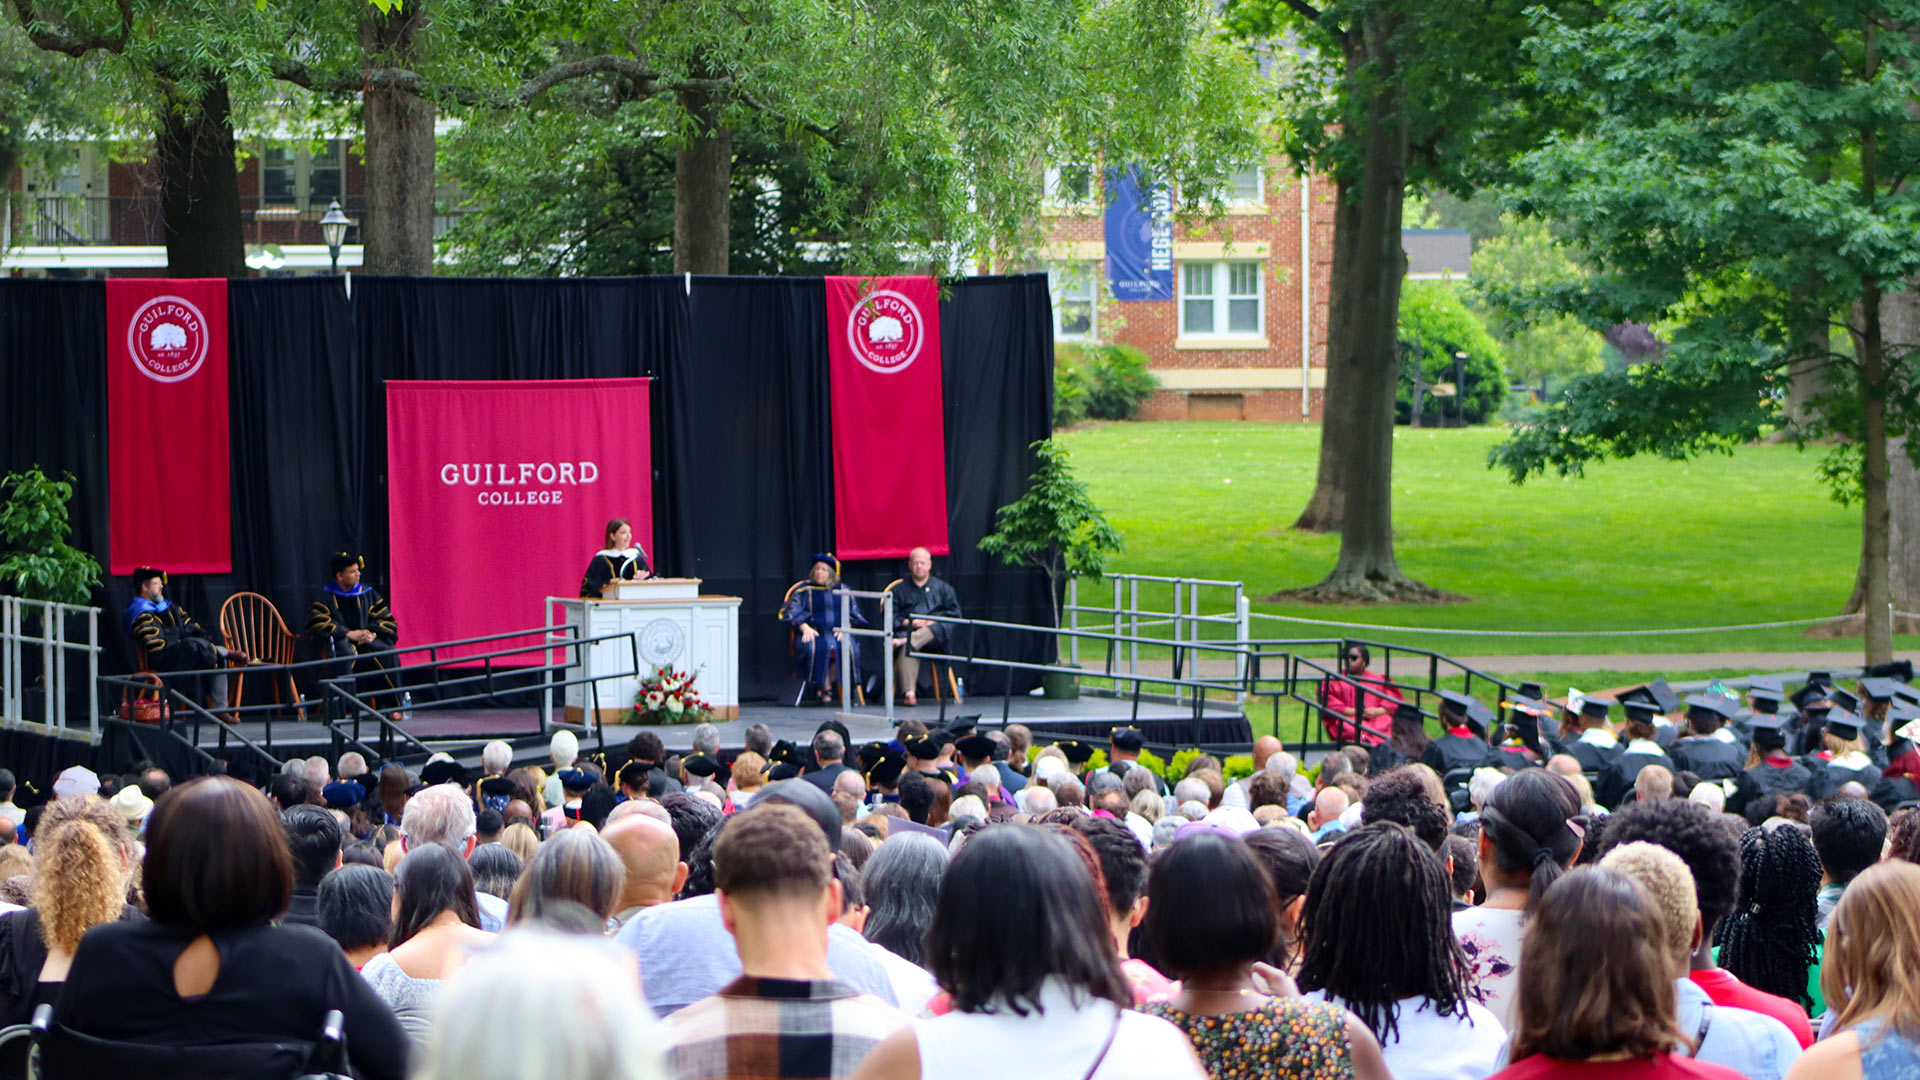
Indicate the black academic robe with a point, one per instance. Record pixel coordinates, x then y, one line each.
1767 778
610 564
1616 780
334 614
1831 774
174 641
936 597
1593 757
1709 758
1453 750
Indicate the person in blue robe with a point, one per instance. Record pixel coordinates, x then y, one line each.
352 620
812 611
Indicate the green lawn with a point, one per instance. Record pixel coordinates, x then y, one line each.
1632 545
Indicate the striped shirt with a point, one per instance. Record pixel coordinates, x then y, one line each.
777 1029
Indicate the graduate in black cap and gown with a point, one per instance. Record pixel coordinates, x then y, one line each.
1460 746
1587 737
1616 780
813 612
352 619
1709 750
1770 769
1407 739
1845 760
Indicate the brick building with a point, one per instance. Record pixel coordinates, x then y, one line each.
1245 336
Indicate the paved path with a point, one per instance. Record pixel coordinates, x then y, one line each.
1849 660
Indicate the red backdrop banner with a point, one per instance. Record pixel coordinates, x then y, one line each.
168 478
498 494
889 428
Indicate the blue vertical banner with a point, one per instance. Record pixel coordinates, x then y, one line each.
1139 238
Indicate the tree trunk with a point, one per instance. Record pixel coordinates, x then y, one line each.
1326 507
702 190
397 225
1875 586
1363 361
199 185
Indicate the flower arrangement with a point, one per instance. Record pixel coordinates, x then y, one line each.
667 697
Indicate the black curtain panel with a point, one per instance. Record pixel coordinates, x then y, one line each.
742 440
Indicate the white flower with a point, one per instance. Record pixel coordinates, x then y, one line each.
669 685
655 699
674 706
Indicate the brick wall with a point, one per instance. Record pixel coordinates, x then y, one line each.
1202 382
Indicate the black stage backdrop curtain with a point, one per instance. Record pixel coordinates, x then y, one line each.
743 477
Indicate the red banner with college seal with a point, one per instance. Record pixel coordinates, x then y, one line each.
889 427
168 481
499 493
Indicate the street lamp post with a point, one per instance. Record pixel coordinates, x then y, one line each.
1459 387
333 229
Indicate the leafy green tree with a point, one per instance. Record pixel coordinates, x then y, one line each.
1435 327
1745 181
37 562
1054 525
1525 259
1437 94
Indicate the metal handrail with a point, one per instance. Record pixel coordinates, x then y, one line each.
199 713
362 710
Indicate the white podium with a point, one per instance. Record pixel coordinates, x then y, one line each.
671 625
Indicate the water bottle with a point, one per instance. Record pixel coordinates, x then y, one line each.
406 707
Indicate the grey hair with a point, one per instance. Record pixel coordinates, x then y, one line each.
564 748
759 738
1148 804
1141 779
492 1020
706 739
352 764
496 758
1101 783
902 882
1037 800
577 866
1283 763
1165 830
1192 809
316 771
442 814
643 807
989 776
1192 789
1002 746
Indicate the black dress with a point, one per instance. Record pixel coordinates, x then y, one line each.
609 564
121 989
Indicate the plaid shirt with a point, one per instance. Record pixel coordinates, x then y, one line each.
777 1029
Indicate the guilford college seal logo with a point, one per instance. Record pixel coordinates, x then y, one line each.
885 331
167 338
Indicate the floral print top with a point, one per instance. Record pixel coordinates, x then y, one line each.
1283 1039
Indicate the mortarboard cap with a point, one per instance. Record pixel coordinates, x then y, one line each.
963 726
1717 704
1462 703
1818 686
784 751
870 755
1878 689
1640 708
696 765
1407 710
943 737
570 779
1766 686
1128 739
1843 724
1481 718
1844 698
1532 690
1657 692
975 747
1078 753
886 771
926 747
785 770
452 772
1596 705
1766 722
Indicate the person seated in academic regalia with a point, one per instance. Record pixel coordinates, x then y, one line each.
1764 697
620 559
883 777
1876 696
1406 742
813 611
1616 780
1463 745
1845 760
174 642
351 619
1709 750
1521 742
1587 737
1665 703
1770 769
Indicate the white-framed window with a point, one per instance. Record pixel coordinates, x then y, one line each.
303 175
1076 300
1069 184
1222 299
1244 186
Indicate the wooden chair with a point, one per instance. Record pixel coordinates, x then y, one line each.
859 694
936 667
250 623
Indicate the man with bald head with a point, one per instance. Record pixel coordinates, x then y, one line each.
1264 748
650 851
918 595
1564 764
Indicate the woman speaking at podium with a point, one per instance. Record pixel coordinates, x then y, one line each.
621 558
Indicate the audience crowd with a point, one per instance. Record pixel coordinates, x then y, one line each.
951 904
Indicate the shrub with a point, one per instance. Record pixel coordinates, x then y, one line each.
1435 323
1069 388
1118 381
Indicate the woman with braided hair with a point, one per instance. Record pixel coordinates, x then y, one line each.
1769 943
1530 833
1378 943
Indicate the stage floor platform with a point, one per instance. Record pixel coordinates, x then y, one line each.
1165 724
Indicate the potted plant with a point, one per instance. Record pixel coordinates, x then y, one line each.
1056 527
36 562
667 697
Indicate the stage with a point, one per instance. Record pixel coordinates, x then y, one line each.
461 732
